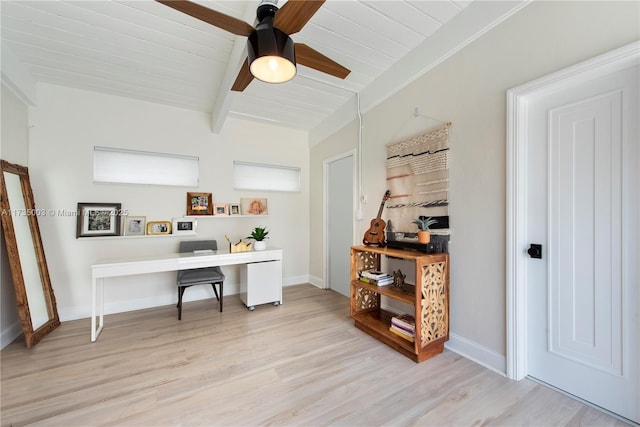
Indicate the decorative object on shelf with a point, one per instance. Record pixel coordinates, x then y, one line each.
398 279
241 246
135 225
259 234
234 209
158 227
199 204
221 209
185 226
98 219
423 223
254 206
375 234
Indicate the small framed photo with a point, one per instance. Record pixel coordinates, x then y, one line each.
254 206
234 209
221 209
159 227
98 219
183 226
199 204
135 225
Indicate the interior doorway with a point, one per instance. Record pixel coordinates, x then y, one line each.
339 217
573 301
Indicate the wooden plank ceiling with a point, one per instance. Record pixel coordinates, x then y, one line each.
146 50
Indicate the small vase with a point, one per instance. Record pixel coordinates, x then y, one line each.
424 236
259 245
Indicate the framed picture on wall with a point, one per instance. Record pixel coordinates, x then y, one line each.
254 206
135 225
221 209
158 227
234 209
98 219
183 225
199 204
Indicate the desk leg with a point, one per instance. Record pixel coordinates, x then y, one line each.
97 305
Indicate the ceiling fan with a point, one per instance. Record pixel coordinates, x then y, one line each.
271 54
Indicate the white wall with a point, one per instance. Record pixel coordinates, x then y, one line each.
469 89
68 123
14 148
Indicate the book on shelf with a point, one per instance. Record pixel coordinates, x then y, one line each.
404 321
377 282
375 274
409 336
376 277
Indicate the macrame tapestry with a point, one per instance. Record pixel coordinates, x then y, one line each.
418 178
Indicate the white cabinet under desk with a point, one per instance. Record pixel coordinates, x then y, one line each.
261 283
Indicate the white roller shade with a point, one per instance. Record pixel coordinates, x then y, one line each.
115 165
255 176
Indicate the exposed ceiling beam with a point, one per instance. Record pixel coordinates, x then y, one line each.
237 56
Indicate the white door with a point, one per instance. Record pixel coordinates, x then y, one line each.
583 159
339 223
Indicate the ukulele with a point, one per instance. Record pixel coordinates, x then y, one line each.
375 233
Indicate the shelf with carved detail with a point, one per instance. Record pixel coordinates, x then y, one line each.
430 300
389 291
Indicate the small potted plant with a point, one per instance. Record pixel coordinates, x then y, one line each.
423 223
259 234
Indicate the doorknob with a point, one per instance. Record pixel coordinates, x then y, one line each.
535 250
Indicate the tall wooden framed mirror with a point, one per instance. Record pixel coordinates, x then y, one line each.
34 293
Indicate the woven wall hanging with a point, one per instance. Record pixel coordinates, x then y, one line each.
418 178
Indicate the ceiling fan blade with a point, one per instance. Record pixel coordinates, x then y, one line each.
244 78
295 14
210 16
310 57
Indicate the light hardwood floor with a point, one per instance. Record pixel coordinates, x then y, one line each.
302 364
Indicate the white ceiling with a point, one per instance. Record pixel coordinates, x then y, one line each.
145 50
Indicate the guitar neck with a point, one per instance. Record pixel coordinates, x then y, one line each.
380 211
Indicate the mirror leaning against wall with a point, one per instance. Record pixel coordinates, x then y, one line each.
34 293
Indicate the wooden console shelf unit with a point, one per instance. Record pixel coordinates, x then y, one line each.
430 300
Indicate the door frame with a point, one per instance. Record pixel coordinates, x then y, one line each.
517 128
325 208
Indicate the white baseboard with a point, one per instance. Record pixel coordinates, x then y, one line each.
295 280
478 353
316 281
9 334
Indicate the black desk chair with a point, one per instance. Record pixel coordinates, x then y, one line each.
199 276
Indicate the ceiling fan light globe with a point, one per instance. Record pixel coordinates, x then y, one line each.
272 69
271 55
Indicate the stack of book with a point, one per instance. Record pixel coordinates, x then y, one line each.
404 325
377 278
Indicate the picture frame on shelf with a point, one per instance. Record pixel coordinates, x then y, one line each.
199 204
254 206
98 219
158 227
135 225
221 209
234 209
185 226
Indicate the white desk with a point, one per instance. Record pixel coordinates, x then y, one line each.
170 262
